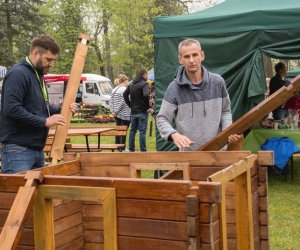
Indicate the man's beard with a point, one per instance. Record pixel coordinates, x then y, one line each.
39 66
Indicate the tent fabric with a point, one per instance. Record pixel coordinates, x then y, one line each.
234 36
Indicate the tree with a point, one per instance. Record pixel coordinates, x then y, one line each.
20 21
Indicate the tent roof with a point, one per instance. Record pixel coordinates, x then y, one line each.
231 16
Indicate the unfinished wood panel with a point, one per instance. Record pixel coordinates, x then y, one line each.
132 243
145 209
145 228
222 158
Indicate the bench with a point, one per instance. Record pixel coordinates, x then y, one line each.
117 131
49 142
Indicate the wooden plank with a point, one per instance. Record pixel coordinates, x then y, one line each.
7 200
110 222
93 236
66 209
156 229
11 182
210 232
67 222
93 246
234 170
70 96
68 236
77 244
106 171
244 219
43 223
265 158
208 212
69 168
151 209
263 174
200 173
222 158
212 246
132 243
254 115
184 167
210 192
12 230
135 188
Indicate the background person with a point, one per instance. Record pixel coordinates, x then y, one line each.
118 107
197 100
25 111
137 98
278 81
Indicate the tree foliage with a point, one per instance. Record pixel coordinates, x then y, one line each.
120 31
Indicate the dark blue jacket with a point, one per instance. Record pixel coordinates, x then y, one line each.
23 108
136 96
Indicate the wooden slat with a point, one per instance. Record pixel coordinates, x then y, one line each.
147 189
210 232
133 243
265 158
254 115
147 209
70 96
11 182
68 222
68 236
152 229
244 219
222 158
69 168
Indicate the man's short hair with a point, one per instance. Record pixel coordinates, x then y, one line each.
188 42
279 66
141 72
44 42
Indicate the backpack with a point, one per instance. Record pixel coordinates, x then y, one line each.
283 148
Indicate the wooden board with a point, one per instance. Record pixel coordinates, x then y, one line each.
70 96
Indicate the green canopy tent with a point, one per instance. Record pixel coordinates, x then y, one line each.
293 73
234 35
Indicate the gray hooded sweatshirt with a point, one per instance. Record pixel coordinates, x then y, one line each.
200 111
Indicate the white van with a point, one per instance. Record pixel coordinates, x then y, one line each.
93 89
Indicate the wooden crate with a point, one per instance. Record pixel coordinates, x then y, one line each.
151 214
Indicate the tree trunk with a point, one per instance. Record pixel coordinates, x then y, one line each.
109 67
9 35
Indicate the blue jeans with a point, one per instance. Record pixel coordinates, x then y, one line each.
17 158
138 122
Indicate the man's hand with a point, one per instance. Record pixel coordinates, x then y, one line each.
55 120
74 107
234 138
181 141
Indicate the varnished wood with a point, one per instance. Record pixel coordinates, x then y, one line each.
70 96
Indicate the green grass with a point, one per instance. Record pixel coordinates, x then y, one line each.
284 198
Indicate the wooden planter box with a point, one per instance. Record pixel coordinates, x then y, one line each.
200 213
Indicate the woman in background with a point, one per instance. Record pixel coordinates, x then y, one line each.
118 107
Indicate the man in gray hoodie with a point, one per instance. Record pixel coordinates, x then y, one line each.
197 100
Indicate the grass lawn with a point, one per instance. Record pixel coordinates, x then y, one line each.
284 198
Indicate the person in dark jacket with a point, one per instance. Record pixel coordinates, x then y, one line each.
276 83
136 97
25 111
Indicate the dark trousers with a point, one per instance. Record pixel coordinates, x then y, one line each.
122 138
